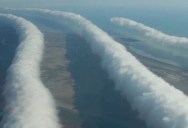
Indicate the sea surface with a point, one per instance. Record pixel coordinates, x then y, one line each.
172 21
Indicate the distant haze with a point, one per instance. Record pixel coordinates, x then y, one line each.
126 3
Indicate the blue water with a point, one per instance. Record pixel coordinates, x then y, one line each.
173 21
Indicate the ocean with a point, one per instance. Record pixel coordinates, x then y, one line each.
172 21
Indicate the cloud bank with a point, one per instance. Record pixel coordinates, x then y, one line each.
28 103
166 46
158 103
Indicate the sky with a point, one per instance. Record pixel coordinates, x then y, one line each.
51 3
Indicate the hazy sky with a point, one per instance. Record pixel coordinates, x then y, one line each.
46 3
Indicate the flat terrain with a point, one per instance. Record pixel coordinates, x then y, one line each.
84 94
55 76
83 91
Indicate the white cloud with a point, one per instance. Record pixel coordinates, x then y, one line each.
29 104
159 104
168 47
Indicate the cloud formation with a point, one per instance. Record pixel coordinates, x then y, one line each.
167 47
28 103
159 104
